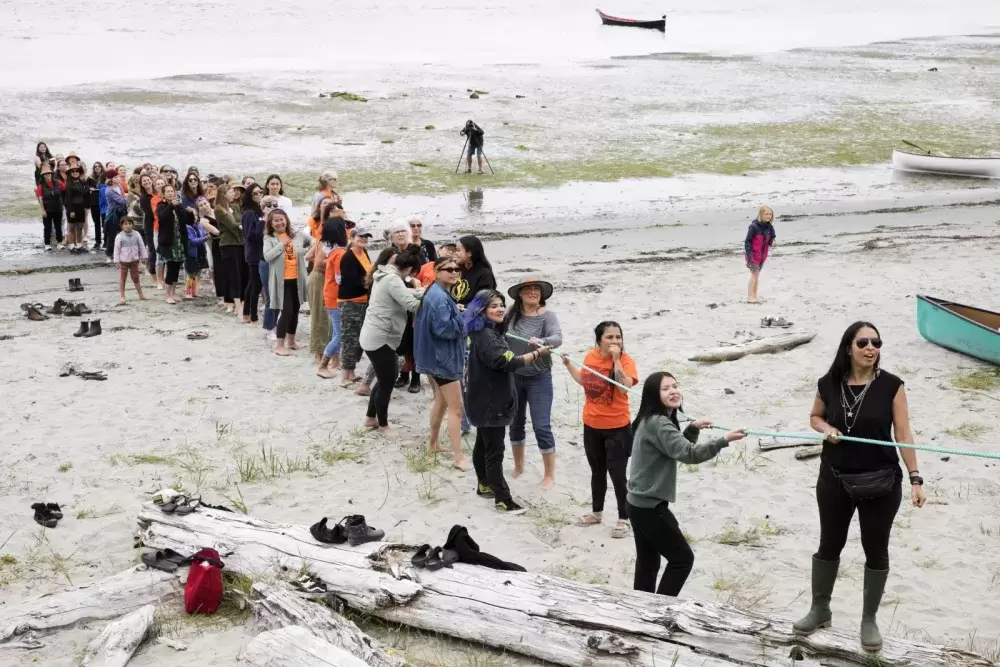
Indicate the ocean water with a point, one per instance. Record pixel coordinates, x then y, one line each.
738 102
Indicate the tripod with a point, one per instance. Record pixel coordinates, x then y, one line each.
462 155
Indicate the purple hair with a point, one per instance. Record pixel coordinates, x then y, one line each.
474 317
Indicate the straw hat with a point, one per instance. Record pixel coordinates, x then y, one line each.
45 169
72 156
541 284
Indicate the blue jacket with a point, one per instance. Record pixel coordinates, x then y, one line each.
102 201
438 341
196 237
253 236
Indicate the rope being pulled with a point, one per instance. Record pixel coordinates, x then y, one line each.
788 436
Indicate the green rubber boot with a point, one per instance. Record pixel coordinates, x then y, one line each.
871 638
824 576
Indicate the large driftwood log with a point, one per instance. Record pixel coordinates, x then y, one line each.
294 646
767 345
109 598
277 607
556 620
117 643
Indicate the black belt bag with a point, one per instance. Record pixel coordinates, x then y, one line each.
867 485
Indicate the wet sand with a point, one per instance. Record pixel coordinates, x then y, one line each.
211 415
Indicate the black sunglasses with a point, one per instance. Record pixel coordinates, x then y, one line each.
862 343
450 270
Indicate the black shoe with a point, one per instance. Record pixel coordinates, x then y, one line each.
84 327
54 510
81 309
401 382
359 532
323 534
57 307
423 554
76 286
414 388
43 517
70 310
510 507
94 330
70 287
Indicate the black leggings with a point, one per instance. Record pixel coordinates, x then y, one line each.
487 459
836 509
172 272
148 234
288 322
657 534
95 218
252 295
229 272
607 452
52 221
384 362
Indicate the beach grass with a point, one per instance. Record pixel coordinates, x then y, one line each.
981 380
968 431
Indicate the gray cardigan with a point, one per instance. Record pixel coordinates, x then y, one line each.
385 319
274 255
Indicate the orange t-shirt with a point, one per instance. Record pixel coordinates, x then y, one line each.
330 286
154 201
291 259
606 405
366 264
426 275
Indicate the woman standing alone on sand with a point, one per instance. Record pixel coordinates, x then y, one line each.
439 353
857 398
529 318
760 238
607 438
284 251
659 446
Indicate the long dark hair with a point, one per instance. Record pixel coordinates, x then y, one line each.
47 155
651 404
198 190
515 313
281 184
94 173
334 233
249 204
475 249
841 366
474 316
604 326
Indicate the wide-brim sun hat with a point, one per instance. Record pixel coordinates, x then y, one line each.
546 288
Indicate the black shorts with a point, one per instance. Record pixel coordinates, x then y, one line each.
441 381
76 215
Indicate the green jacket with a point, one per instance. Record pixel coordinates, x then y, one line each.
656 449
230 230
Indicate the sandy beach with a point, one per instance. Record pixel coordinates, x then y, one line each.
227 418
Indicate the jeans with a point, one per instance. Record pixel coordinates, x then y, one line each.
52 221
333 347
534 392
270 318
487 459
288 322
657 534
384 362
352 317
875 516
608 451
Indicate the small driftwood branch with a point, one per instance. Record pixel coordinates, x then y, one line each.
294 646
117 643
809 452
767 345
770 444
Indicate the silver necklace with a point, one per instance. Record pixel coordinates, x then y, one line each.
852 408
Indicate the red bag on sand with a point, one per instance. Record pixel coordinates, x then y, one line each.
203 591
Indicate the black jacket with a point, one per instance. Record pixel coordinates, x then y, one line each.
489 386
77 193
428 253
167 214
475 134
473 280
352 277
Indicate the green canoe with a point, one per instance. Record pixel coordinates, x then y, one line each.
971 331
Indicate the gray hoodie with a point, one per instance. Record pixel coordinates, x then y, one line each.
385 319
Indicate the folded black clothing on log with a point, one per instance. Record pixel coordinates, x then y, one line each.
468 551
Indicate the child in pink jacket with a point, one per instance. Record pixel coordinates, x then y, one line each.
129 250
760 238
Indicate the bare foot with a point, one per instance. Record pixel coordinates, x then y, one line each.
518 471
246 319
548 483
121 302
364 390
282 351
436 449
171 302
462 465
386 430
143 297
294 346
371 422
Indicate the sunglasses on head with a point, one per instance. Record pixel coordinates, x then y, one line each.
862 343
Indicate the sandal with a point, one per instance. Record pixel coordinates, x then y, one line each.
420 558
621 530
171 507
197 335
589 519
188 506
158 561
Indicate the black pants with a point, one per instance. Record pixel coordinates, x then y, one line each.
384 362
52 221
148 234
172 272
252 295
487 459
608 451
657 534
229 272
836 509
112 225
288 321
95 218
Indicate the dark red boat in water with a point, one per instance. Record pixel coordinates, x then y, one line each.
659 24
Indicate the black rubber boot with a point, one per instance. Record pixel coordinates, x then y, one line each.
824 576
359 532
871 638
82 331
94 330
77 286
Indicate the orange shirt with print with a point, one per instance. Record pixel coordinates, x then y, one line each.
154 201
606 405
330 286
362 256
426 275
291 259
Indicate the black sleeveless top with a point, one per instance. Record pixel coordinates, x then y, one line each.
874 421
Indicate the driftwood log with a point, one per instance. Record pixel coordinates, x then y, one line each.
770 444
766 345
101 600
809 452
275 607
294 646
117 643
556 620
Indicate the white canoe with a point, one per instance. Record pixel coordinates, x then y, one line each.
976 167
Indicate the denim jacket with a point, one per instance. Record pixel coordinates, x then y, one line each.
438 343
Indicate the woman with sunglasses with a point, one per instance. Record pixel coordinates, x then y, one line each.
252 222
858 399
191 189
439 353
607 436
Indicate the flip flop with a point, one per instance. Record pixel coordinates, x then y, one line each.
442 558
174 557
197 335
188 506
158 561
421 557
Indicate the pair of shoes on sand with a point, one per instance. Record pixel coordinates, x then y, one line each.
352 529
47 514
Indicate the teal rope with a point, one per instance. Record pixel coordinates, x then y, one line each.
790 436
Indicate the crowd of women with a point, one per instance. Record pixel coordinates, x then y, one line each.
419 310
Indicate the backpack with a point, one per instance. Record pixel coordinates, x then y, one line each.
203 591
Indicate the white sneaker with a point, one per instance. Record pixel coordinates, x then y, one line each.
272 335
48 247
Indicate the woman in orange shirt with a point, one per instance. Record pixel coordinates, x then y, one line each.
334 240
607 436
